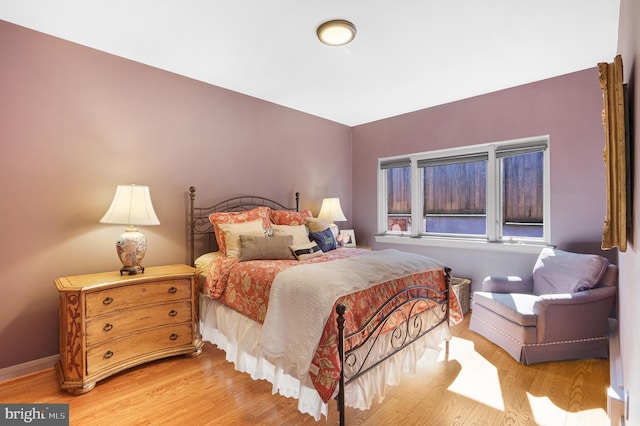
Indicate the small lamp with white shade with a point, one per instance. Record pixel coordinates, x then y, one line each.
131 206
331 211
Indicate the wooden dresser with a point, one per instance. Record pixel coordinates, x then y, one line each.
109 322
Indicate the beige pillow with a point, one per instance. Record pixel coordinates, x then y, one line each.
317 225
232 232
298 232
265 248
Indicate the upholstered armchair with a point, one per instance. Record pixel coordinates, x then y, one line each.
560 312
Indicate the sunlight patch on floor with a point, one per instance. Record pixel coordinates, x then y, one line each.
545 412
478 380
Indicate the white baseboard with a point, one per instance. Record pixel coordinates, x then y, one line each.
26 368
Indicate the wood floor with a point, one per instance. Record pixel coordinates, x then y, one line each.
479 384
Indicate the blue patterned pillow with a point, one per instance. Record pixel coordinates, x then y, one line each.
325 240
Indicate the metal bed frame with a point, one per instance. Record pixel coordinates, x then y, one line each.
199 224
355 349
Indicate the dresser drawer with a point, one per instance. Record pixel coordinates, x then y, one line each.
117 351
113 299
119 323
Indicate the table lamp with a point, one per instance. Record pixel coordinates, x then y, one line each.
131 206
331 211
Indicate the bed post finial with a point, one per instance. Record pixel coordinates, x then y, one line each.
297 201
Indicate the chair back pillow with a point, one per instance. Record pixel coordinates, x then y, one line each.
558 271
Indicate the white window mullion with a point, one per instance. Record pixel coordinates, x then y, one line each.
382 200
546 214
493 196
416 199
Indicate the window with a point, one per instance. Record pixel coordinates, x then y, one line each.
455 200
399 199
494 192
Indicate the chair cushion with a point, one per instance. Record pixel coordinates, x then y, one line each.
558 271
515 307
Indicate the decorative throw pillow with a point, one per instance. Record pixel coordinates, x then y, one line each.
232 231
325 239
317 225
558 271
306 251
298 232
288 217
238 217
265 248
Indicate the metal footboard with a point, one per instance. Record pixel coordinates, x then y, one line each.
402 320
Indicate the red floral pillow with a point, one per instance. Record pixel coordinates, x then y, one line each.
291 218
238 217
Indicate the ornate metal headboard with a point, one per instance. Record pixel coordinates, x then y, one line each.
201 228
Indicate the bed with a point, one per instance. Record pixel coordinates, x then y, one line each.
341 323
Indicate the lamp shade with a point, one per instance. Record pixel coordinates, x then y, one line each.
131 205
331 210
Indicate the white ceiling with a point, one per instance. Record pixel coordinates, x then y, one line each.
407 55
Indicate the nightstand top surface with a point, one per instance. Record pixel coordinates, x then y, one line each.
102 279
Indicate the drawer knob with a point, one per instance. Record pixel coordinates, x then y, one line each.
173 336
107 301
108 354
173 290
173 313
107 327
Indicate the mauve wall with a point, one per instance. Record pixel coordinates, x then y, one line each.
629 290
568 108
75 122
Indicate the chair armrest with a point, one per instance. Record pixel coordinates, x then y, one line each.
571 316
512 284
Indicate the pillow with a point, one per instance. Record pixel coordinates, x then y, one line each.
288 217
325 239
558 271
203 261
298 232
238 217
306 251
265 248
317 225
232 231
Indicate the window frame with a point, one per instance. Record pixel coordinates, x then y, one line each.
494 193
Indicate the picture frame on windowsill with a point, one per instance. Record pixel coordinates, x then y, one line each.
348 237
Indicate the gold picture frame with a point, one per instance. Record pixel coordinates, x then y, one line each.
614 233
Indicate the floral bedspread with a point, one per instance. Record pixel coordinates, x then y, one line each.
245 287
361 306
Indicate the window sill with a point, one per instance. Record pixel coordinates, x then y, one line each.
528 247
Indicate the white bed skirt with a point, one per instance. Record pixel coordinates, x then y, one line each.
238 337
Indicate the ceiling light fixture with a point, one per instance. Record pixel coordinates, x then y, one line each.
336 32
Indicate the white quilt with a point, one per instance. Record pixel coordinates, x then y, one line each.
302 297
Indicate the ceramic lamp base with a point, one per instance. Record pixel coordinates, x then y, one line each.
131 247
334 229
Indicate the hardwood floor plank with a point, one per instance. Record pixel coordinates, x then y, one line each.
479 384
